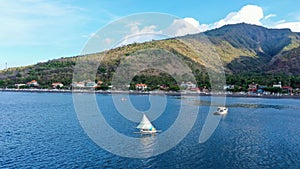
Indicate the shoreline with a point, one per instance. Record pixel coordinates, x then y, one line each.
148 93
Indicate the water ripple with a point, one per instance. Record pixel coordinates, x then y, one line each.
42 131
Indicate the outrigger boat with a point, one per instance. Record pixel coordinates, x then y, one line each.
146 127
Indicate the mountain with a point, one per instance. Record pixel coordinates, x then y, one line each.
248 48
287 62
245 50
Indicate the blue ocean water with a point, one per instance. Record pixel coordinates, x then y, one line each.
41 130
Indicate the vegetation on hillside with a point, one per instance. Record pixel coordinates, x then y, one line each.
249 54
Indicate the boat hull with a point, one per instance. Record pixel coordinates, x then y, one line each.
221 111
148 132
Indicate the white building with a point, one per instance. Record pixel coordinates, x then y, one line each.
278 85
57 84
91 84
141 86
33 83
19 85
188 85
78 84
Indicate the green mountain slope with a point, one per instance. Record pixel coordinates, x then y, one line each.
245 50
248 48
287 62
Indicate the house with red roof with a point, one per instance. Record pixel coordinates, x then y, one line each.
287 89
33 83
141 86
252 88
57 85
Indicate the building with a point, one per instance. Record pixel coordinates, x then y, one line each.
226 87
188 85
205 90
33 83
196 89
163 87
19 85
99 83
287 89
277 85
252 88
261 89
141 86
78 84
90 84
57 85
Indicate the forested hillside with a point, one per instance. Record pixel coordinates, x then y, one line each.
249 53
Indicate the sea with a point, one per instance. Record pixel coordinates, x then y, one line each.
44 130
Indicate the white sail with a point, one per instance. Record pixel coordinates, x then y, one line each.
145 123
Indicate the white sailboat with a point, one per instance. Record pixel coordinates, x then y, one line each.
146 127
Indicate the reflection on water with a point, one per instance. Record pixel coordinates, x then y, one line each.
256 106
147 142
42 131
246 105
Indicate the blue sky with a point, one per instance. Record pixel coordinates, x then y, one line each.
39 30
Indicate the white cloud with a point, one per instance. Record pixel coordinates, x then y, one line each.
250 14
108 41
270 16
35 22
294 26
138 33
192 21
181 27
281 21
135 28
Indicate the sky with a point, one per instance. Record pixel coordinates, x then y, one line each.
35 31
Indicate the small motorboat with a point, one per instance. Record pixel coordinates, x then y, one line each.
221 111
123 99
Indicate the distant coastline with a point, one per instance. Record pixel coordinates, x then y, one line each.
148 93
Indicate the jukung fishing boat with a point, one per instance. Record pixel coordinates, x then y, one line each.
146 127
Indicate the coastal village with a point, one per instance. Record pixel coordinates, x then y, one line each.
150 84
185 87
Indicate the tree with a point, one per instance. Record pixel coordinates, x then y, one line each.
174 88
2 83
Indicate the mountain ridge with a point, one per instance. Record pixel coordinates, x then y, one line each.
243 49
